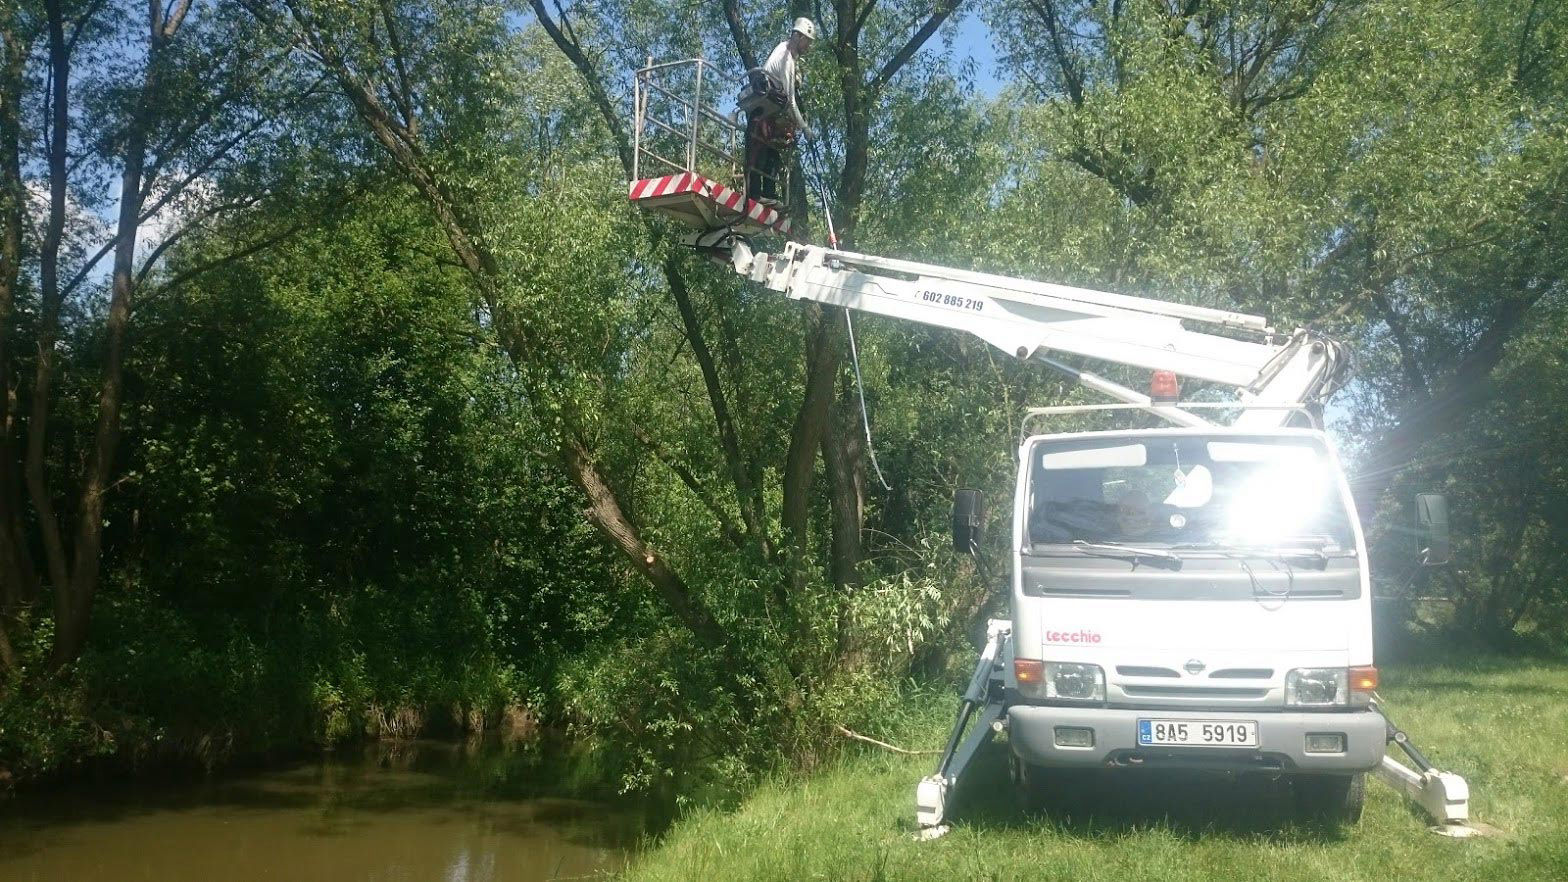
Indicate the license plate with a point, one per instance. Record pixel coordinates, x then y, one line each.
1198 733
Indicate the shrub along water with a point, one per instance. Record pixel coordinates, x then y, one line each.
327 529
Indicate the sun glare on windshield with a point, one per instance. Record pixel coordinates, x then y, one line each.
1187 491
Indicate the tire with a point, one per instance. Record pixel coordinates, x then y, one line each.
1030 786
1330 800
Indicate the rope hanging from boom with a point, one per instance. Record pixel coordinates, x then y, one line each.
820 179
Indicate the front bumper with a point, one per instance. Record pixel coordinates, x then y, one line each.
1281 739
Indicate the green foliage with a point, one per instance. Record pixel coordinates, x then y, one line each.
43 723
330 526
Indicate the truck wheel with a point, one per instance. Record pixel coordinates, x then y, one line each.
1030 786
1330 800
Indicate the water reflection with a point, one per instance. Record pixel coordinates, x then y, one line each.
465 812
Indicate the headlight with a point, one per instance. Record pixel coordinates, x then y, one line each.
1075 681
1317 687
1061 680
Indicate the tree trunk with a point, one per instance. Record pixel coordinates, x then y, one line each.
824 347
747 497
49 300
74 599
841 450
466 236
18 582
604 512
842 447
7 654
822 358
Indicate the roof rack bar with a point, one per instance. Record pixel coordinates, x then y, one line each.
1068 409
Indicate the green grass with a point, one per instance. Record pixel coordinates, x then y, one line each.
1503 724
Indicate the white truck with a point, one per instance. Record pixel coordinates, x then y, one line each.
1192 596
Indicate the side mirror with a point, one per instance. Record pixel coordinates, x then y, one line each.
1432 528
968 515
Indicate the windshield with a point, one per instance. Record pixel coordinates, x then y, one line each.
1189 491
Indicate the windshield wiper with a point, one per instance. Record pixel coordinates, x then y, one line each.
1315 556
1288 555
1152 556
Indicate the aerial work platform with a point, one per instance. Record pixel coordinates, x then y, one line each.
695 154
707 204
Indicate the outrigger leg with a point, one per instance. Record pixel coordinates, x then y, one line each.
1442 795
985 694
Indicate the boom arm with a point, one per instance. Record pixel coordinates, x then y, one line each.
1027 319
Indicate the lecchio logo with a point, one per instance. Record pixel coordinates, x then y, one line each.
1082 635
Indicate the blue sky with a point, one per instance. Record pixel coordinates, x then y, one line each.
973 40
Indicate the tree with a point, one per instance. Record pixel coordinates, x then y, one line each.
15 43
377 59
861 85
192 97
1387 172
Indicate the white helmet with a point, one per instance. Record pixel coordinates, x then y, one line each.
805 28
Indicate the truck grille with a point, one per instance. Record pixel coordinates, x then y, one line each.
1243 674
1132 691
1142 671
1222 674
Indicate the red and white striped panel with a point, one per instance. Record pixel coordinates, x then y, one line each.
729 201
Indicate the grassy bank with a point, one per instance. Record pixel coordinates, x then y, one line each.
1499 722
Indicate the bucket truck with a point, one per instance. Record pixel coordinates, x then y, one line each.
1193 596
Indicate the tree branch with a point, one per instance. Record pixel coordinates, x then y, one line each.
202 117
189 227
1070 73
202 168
80 24
405 90
882 744
604 512
169 195
726 524
596 92
910 47
1401 333
746 495
743 45
1467 387
863 15
173 18
232 257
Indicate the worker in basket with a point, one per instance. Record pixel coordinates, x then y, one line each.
773 118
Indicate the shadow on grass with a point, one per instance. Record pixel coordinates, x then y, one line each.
1438 648
1528 690
1106 804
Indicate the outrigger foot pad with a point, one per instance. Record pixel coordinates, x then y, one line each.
1444 796
931 801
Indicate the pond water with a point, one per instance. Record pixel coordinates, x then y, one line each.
476 811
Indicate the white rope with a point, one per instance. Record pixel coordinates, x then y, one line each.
860 389
854 353
822 192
